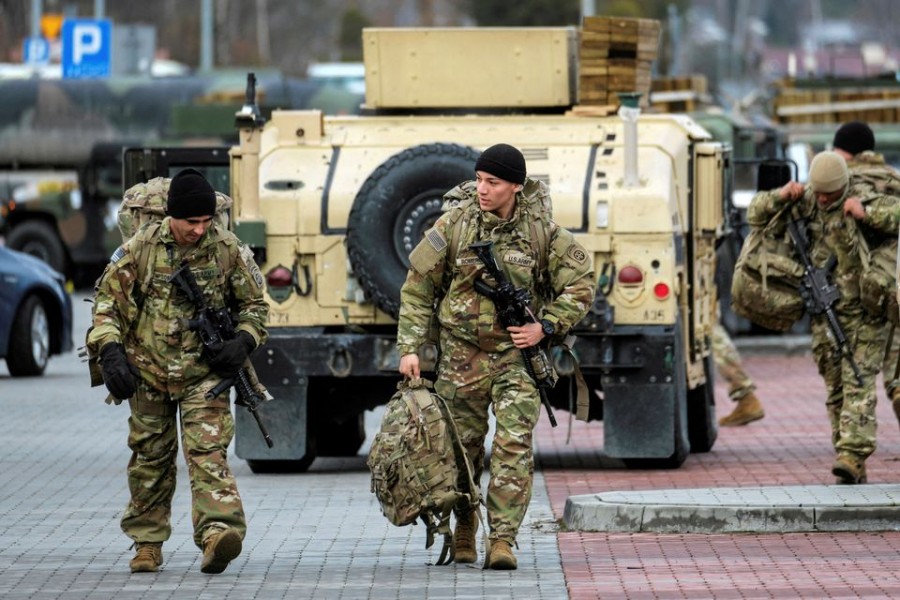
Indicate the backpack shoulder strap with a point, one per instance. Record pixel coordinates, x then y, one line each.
144 257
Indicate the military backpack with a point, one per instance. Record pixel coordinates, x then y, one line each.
415 461
766 284
879 255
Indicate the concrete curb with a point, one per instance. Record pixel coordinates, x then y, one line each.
731 510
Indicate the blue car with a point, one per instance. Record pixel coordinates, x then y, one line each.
35 313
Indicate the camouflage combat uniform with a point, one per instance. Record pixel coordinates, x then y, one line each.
871 164
728 364
174 375
479 366
851 407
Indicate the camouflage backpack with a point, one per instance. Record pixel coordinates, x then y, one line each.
878 281
414 464
767 276
146 202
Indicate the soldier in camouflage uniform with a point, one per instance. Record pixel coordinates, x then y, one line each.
481 364
836 217
150 357
855 142
741 388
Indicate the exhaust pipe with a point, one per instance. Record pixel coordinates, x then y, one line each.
629 111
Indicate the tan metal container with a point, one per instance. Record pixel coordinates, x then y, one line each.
486 67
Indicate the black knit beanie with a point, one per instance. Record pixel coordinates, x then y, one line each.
190 195
503 161
854 137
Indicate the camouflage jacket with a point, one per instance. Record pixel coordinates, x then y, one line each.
831 233
152 324
470 316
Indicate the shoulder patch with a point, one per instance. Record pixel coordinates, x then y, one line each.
576 253
118 255
246 255
436 239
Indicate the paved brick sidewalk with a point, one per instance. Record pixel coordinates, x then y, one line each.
790 446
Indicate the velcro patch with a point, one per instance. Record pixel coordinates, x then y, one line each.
118 255
468 260
436 239
577 253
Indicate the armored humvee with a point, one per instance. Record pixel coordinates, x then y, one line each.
333 205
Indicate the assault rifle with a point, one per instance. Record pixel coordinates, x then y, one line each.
820 294
214 326
513 309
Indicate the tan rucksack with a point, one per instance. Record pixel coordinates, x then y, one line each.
766 283
414 464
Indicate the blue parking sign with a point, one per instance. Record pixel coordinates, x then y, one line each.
86 47
36 51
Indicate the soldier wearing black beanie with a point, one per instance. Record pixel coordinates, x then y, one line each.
190 195
503 161
854 137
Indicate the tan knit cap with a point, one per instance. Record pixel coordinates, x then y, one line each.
828 173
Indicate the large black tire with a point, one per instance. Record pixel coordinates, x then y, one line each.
399 201
703 429
38 239
29 342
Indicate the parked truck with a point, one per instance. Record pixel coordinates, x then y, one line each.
332 206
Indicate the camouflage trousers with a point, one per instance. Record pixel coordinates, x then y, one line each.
890 361
850 406
728 364
207 428
472 381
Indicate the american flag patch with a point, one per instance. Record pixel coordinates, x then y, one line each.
118 255
436 240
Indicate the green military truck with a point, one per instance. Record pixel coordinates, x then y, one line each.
61 144
333 205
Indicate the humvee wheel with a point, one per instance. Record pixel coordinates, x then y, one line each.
399 201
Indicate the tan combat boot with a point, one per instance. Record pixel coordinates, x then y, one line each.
748 409
501 557
849 469
219 549
147 558
464 550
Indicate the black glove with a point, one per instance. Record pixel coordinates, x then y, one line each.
118 374
228 360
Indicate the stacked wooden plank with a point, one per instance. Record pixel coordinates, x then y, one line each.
616 55
873 104
678 94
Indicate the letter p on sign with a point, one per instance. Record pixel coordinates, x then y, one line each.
86 48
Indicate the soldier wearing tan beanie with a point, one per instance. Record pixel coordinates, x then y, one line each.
830 204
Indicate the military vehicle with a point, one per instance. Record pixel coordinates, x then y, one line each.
332 206
61 142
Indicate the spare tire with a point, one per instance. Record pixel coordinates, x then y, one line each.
399 201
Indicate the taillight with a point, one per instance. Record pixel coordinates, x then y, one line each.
661 290
630 275
279 277
280 283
